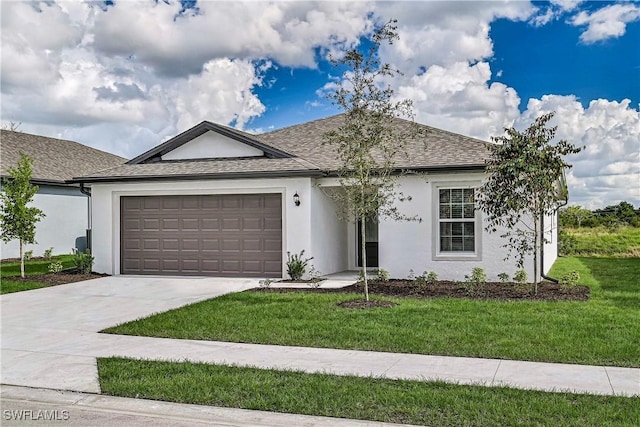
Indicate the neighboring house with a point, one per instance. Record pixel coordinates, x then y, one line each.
220 202
55 161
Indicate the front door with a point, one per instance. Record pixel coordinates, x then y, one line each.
371 242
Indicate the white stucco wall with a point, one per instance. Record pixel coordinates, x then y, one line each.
64 225
212 145
106 210
551 247
406 246
329 244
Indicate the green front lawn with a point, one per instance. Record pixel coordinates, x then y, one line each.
12 269
8 269
411 402
601 331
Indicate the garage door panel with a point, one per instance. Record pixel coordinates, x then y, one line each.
223 235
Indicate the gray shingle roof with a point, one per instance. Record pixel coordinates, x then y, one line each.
432 149
204 168
54 160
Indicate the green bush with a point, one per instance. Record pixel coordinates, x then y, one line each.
567 243
297 265
521 277
47 253
55 267
83 261
569 280
382 275
504 277
28 255
431 277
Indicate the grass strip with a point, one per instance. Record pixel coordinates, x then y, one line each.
398 401
11 286
9 269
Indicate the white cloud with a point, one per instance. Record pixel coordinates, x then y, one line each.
608 22
607 171
221 93
460 98
288 32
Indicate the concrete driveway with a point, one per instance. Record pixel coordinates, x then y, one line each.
49 336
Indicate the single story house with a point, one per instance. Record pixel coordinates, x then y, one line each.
217 201
55 162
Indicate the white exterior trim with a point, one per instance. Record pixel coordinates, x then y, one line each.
436 254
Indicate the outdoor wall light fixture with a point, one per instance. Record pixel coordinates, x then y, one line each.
296 199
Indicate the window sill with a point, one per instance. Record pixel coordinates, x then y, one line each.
457 256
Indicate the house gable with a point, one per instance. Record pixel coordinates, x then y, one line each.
212 145
209 141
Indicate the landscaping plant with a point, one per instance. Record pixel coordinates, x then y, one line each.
525 182
382 275
17 219
297 265
569 280
367 143
504 277
520 277
83 261
55 267
47 254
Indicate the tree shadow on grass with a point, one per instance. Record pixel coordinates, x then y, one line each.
619 279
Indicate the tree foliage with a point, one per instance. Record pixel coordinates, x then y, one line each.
17 219
369 141
623 214
525 182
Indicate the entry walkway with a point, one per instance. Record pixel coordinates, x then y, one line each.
50 340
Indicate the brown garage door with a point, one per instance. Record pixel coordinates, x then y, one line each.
212 235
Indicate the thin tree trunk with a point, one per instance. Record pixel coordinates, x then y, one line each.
364 258
21 260
535 256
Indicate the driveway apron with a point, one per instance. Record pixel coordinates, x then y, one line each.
49 336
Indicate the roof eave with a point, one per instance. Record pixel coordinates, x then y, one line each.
191 177
201 129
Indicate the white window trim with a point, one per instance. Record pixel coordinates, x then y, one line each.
435 226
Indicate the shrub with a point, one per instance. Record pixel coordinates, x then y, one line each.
421 280
411 276
521 277
47 253
567 243
475 281
297 265
382 275
28 255
431 277
504 277
265 283
569 280
83 261
478 276
55 267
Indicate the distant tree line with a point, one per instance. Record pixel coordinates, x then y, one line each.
611 216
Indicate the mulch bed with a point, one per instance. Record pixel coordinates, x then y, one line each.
547 291
56 279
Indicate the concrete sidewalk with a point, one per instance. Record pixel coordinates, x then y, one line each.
83 409
50 340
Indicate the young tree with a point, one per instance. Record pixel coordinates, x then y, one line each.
368 142
17 220
524 172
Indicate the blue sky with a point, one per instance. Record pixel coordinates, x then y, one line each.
124 76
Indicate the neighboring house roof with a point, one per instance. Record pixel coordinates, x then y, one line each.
295 150
54 160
